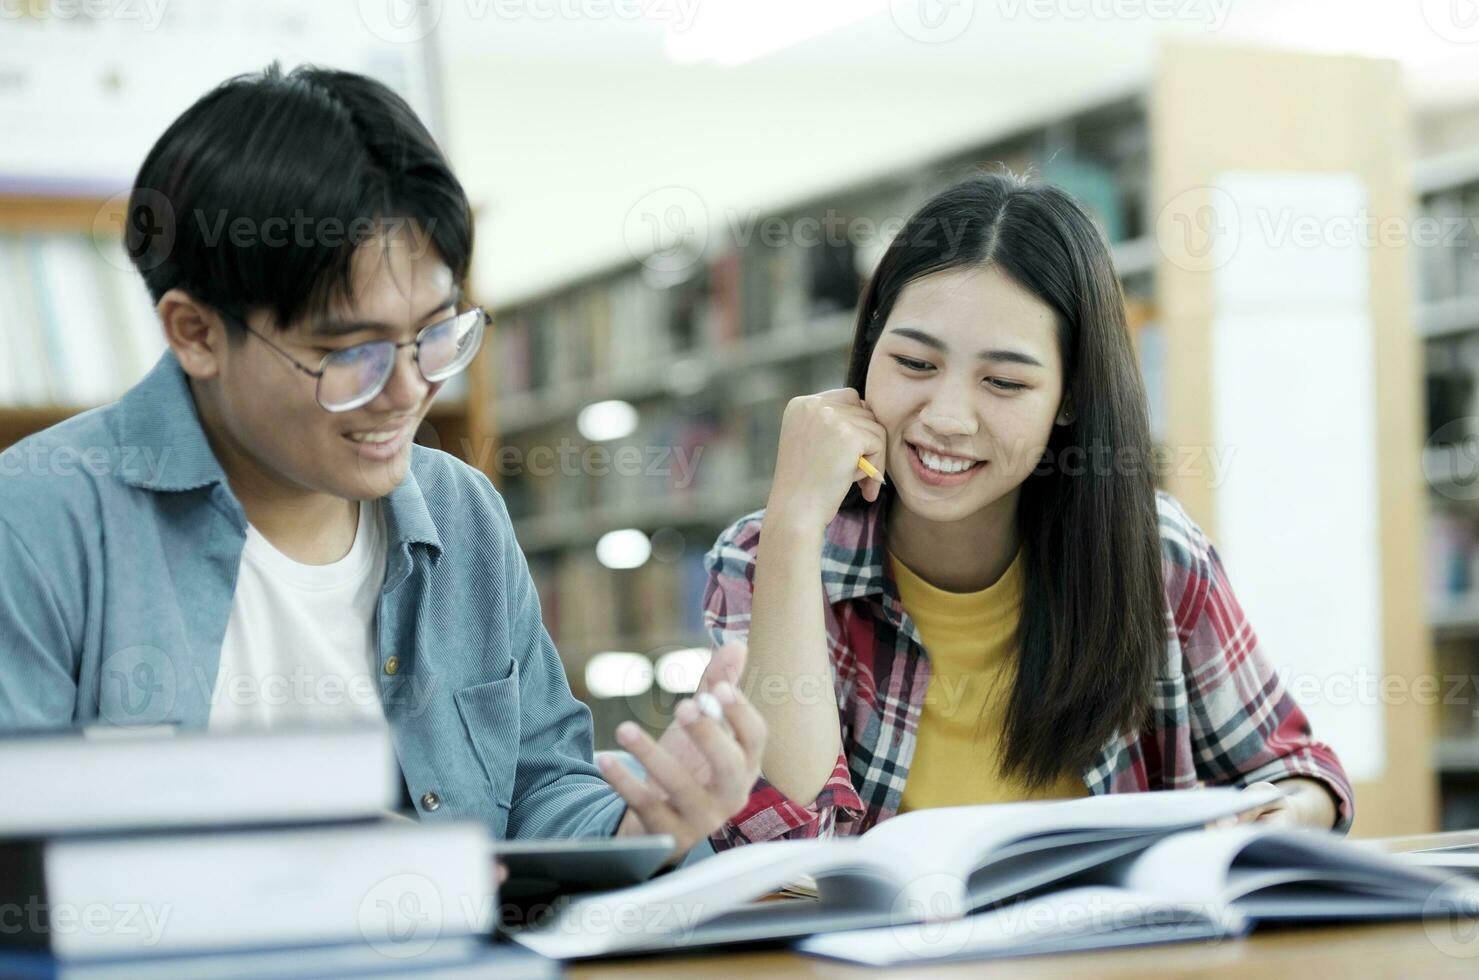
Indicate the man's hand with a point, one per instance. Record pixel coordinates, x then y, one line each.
700 773
726 664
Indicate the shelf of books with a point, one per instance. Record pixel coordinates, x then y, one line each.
638 411
76 326
1447 184
79 327
638 414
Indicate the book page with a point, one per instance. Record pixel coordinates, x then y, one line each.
677 903
1075 918
1235 863
960 839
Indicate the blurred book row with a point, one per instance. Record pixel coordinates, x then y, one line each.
625 331
642 406
586 605
79 326
1449 244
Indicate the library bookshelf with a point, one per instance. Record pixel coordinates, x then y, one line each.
81 233
709 358
1446 182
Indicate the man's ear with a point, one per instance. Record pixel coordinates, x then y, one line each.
194 332
1066 414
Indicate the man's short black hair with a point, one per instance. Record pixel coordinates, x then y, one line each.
259 194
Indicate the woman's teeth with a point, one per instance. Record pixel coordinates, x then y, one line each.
943 464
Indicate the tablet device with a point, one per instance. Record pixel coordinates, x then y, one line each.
580 864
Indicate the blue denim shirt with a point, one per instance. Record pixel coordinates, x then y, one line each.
120 542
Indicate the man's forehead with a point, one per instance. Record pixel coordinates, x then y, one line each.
388 311
382 289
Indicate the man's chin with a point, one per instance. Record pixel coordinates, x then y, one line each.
374 478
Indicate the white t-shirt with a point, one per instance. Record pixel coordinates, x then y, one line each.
300 645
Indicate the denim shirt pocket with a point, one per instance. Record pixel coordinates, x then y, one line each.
490 714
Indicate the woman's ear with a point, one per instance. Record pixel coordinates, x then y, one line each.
1066 414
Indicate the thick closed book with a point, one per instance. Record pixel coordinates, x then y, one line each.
929 864
109 779
393 884
447 957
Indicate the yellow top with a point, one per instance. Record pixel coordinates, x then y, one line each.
971 641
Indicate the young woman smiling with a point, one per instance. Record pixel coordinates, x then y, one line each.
1016 613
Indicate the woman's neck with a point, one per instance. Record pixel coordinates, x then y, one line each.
959 556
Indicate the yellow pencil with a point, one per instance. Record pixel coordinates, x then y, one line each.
869 468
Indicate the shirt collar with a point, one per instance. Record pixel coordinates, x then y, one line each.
160 422
407 519
158 417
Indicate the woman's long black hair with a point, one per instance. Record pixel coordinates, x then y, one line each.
1093 622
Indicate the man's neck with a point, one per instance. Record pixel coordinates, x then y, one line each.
314 529
308 527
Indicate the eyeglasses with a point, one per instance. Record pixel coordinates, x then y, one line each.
353 376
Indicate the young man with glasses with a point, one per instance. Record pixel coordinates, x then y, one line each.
266 546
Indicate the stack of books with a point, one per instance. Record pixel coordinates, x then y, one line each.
154 853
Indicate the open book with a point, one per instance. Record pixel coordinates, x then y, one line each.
1463 860
926 865
1283 874
1195 885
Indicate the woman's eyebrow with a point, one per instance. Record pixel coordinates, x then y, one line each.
335 328
999 356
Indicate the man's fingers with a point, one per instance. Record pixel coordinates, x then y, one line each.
638 793
642 797
685 795
727 762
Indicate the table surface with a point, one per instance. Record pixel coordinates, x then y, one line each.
1434 949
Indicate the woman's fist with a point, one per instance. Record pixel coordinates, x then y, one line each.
822 436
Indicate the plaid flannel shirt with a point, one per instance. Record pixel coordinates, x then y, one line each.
1220 713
